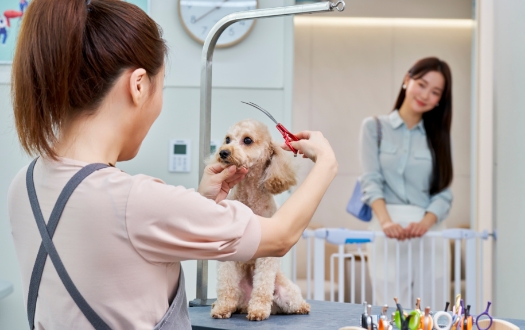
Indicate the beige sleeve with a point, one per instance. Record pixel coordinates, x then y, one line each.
168 223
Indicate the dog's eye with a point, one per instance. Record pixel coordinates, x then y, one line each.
227 140
247 140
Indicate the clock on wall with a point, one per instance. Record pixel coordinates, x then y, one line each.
199 16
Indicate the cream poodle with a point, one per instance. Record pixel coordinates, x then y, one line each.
257 287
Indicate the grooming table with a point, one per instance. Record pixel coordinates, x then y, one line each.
323 315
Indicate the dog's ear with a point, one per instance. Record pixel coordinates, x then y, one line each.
279 175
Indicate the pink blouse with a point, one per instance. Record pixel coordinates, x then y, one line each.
121 238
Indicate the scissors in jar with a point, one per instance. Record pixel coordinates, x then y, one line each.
451 319
406 321
467 322
287 135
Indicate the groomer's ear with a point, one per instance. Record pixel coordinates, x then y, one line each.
139 84
280 175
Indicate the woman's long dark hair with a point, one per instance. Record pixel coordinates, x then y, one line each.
436 121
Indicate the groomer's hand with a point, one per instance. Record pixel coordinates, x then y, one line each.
312 145
418 229
217 180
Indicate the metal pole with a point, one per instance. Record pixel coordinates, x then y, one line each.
332 290
471 273
385 271
374 283
309 268
446 276
205 98
409 272
457 267
362 256
421 262
341 277
433 281
398 269
319 268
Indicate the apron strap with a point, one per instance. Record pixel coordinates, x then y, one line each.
47 246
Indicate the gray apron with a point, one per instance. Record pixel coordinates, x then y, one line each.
176 317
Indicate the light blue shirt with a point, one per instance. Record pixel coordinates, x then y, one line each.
401 171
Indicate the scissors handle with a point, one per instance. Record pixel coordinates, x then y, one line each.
465 323
488 318
446 315
287 135
286 132
485 313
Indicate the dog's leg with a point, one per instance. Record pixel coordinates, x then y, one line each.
288 296
260 305
228 290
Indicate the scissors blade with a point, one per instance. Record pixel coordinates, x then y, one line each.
262 110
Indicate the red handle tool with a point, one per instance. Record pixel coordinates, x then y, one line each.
287 135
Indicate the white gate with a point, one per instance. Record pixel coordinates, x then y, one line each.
342 237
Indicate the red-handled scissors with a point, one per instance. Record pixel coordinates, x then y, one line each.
288 137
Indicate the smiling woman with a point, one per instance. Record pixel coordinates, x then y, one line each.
407 169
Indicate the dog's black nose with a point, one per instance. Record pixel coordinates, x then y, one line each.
224 154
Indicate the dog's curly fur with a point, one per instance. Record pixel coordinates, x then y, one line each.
257 287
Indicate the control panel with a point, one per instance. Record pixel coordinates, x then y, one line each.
180 155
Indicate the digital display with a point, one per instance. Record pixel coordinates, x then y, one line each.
179 149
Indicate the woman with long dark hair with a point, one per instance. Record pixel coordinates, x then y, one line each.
407 170
87 86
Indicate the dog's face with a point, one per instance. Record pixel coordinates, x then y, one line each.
246 144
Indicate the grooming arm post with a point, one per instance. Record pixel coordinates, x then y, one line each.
205 97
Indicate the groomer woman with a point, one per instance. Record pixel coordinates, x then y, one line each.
407 171
87 86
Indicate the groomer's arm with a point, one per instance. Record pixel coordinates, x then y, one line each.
280 232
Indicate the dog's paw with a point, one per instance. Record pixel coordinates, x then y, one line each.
304 309
220 313
257 315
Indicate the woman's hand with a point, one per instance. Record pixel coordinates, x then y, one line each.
390 228
312 145
418 229
393 230
217 181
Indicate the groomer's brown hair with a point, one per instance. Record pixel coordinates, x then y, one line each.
437 122
68 56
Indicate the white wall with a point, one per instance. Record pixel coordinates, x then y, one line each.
408 8
509 157
259 70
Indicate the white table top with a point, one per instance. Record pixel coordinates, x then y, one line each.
6 288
